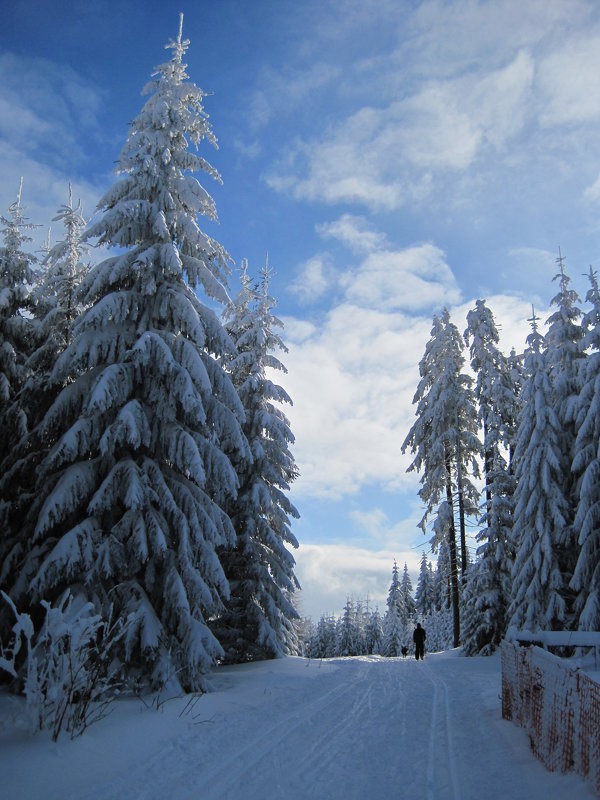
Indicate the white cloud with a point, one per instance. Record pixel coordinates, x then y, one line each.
411 279
431 130
44 190
463 89
592 193
370 521
352 385
354 232
500 101
47 108
282 91
314 279
343 165
568 79
330 573
384 157
352 375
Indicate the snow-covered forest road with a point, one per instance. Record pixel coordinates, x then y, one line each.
347 728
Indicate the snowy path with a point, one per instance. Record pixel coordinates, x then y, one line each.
347 728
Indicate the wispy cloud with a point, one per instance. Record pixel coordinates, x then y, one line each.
386 157
49 115
282 91
592 192
355 232
314 278
411 279
568 81
456 86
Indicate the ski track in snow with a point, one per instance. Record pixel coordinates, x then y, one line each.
344 729
447 752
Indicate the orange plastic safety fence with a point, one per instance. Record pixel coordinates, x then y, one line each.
558 706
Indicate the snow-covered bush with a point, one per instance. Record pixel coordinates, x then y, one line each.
70 675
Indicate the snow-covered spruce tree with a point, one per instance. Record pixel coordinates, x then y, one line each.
495 391
489 583
258 620
424 595
16 277
439 621
409 608
323 644
56 301
361 621
563 357
586 467
133 491
516 377
55 307
374 634
442 582
348 636
540 507
305 633
444 440
393 630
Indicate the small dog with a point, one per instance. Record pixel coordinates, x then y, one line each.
404 652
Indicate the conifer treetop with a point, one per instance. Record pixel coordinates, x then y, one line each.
153 210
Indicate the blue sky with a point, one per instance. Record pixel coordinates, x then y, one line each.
392 158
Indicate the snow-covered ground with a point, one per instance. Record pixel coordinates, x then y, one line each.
364 727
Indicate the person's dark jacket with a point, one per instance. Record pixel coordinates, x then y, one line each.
419 635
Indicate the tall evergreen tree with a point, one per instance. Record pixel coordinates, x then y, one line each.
424 595
52 307
260 569
586 468
348 639
563 356
132 492
16 278
490 585
442 584
56 298
56 306
512 412
374 634
408 607
323 644
444 441
541 509
361 621
392 623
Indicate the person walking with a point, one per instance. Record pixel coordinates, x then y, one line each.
419 637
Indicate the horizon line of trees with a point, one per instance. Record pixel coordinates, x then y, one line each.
145 459
358 630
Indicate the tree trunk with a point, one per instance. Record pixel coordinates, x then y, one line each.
461 510
488 466
453 560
